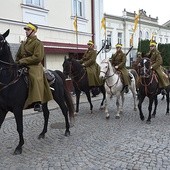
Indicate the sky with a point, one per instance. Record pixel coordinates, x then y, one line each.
154 8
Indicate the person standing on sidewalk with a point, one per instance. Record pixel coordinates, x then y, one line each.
31 54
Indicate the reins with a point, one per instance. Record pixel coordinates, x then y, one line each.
107 77
20 72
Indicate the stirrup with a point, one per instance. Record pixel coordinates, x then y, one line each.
163 92
38 107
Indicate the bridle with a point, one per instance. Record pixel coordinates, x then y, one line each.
20 71
105 73
107 77
148 75
73 76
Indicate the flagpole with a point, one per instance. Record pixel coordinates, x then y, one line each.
76 29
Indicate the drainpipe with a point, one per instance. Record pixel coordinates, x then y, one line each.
92 19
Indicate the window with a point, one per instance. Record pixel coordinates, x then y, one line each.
119 38
166 40
147 36
78 8
160 39
109 39
39 3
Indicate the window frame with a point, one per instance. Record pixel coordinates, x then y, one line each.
40 3
78 8
119 38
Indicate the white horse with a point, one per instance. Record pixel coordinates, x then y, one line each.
114 86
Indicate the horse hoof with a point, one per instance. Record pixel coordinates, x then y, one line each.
75 113
153 116
117 117
17 151
148 122
67 133
41 136
107 117
135 109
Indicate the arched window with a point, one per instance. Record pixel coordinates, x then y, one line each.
147 35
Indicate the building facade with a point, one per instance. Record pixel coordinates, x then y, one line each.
119 29
55 22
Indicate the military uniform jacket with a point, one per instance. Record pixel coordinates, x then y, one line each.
31 53
93 69
119 59
156 62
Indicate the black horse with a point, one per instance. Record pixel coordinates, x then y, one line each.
149 86
79 77
14 91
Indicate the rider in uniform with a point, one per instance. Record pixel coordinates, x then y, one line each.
118 60
31 54
156 62
89 62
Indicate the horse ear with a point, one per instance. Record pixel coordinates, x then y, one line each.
6 33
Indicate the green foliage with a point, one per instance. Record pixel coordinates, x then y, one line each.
164 49
143 46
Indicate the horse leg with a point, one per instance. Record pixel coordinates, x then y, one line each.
141 99
105 108
118 106
46 117
18 113
103 91
2 117
133 90
77 100
150 110
167 101
89 100
64 110
156 104
122 103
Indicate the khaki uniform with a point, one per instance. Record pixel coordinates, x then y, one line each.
93 69
119 59
156 62
31 53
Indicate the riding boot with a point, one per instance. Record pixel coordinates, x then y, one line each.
126 89
38 107
163 92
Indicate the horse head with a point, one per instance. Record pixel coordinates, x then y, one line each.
72 67
145 67
106 69
5 52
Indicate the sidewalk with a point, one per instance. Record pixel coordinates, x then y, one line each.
53 105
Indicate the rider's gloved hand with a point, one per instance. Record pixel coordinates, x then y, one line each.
116 67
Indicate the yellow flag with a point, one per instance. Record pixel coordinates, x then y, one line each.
131 40
103 23
75 23
136 22
153 35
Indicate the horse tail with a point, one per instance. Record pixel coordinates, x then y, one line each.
67 95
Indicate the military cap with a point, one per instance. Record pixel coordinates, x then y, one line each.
118 45
31 26
90 42
152 43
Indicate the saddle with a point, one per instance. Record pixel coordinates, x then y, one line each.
50 76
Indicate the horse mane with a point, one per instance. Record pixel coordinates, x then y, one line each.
76 64
5 53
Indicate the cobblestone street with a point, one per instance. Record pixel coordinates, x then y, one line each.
95 142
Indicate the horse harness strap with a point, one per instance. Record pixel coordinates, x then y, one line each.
146 85
110 87
20 71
